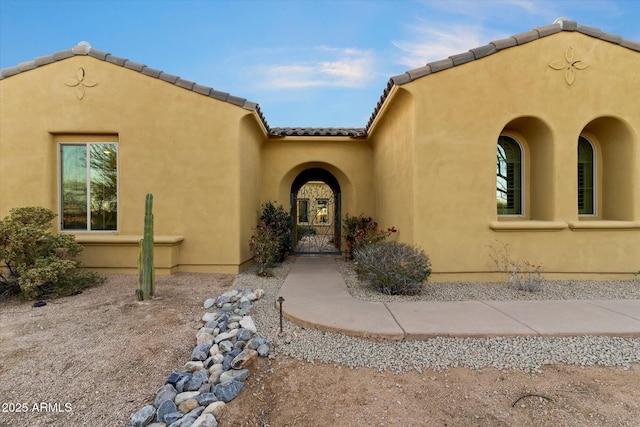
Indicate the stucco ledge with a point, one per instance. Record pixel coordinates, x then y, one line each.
604 225
115 253
116 239
528 225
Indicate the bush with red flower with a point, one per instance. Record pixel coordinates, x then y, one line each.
362 231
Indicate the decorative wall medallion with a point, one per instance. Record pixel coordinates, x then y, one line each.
570 65
80 82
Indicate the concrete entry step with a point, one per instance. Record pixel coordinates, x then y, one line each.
316 296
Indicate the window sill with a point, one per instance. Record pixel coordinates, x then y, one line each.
115 239
604 225
113 253
528 225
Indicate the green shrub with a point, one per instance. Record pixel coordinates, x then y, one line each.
264 244
278 221
351 225
393 268
361 231
39 264
305 230
271 242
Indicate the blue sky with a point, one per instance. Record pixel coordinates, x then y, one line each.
307 63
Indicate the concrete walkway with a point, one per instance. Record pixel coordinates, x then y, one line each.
316 296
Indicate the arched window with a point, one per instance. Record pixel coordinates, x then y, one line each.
509 177
586 177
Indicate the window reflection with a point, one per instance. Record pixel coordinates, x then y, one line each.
509 177
303 210
585 177
322 215
89 186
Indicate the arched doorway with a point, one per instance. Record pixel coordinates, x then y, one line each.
316 210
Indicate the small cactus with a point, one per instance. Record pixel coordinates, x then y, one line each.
146 268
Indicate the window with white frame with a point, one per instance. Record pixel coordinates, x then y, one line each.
89 186
586 177
509 177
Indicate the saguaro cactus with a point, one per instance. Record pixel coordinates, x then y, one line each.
145 257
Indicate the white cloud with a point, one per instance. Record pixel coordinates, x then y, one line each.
452 27
340 68
431 43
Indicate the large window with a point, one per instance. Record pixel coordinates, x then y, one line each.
89 186
585 177
509 177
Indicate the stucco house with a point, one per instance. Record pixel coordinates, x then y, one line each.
531 141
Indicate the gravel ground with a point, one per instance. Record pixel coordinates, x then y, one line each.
497 291
529 354
106 354
96 358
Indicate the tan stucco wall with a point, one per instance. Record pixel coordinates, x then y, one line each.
348 159
463 110
183 147
427 166
394 167
252 137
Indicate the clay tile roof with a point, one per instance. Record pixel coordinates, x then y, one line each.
84 48
496 46
302 131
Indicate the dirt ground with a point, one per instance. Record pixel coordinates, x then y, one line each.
96 358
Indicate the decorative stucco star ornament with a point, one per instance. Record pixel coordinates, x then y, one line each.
570 65
80 82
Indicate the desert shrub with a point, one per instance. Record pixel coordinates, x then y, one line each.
278 221
305 230
39 264
271 242
264 244
351 225
361 231
523 275
526 276
393 268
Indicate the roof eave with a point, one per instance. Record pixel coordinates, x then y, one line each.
312 132
491 48
84 49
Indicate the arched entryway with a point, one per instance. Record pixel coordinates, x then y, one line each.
316 210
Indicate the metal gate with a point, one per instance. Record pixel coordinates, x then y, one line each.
316 218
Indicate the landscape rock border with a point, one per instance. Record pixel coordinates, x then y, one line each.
226 345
